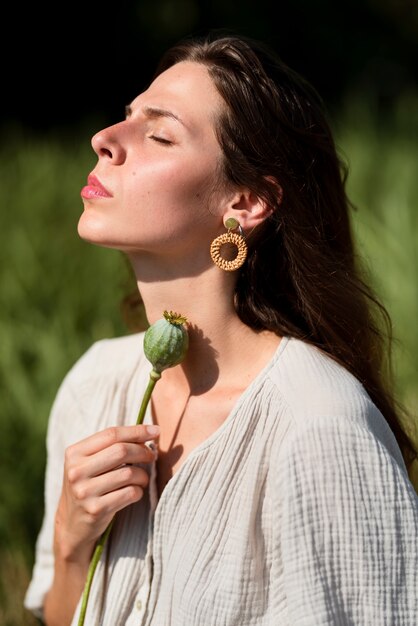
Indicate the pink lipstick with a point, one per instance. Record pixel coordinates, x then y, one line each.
94 189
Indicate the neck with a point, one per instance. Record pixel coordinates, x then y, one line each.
206 300
218 339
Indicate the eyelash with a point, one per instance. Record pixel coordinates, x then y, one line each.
167 142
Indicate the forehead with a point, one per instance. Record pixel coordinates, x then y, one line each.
187 90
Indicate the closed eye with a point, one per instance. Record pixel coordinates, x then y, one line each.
161 140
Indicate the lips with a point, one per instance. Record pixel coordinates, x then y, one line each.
94 189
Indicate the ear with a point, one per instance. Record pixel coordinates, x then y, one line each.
249 209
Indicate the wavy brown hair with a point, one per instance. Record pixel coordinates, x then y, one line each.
302 276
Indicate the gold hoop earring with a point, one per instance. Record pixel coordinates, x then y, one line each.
237 239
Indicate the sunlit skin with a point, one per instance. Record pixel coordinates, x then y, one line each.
158 196
160 164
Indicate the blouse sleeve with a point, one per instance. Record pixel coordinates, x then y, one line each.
65 413
349 531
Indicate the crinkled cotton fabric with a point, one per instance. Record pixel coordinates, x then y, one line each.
296 511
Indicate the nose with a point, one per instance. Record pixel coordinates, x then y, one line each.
107 145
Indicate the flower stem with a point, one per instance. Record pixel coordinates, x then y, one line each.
92 567
153 377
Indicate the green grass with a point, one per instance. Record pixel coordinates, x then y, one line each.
383 186
59 294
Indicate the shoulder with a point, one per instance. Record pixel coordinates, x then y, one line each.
348 510
104 371
312 383
338 446
325 400
96 390
113 358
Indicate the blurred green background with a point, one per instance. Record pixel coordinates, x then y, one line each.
59 294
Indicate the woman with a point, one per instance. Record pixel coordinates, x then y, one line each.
274 489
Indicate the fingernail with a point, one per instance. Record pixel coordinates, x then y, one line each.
153 429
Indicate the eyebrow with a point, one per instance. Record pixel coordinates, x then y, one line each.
155 113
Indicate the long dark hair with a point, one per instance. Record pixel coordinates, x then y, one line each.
302 277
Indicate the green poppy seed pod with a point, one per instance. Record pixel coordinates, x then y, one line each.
166 342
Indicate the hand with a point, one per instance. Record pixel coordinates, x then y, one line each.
100 478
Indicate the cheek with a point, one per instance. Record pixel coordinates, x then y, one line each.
171 188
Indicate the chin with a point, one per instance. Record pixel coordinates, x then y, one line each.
94 231
91 229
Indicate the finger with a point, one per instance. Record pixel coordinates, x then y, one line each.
104 461
111 481
115 456
114 501
115 434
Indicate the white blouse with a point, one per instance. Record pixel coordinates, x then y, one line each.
296 511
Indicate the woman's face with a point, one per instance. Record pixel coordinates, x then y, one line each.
158 169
